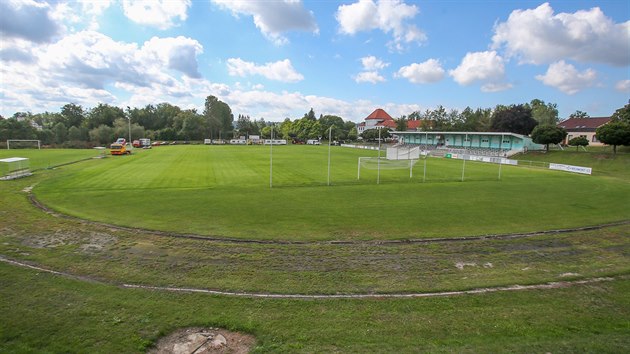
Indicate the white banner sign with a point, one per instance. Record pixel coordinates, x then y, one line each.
569 168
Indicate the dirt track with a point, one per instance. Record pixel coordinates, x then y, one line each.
515 287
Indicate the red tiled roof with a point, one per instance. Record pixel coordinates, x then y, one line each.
379 114
584 123
387 123
413 124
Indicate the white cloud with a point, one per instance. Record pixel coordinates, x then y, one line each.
369 76
156 13
623 86
273 18
178 53
279 71
373 63
84 66
539 36
422 73
566 78
371 66
486 68
28 20
389 16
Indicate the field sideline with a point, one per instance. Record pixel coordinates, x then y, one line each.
223 191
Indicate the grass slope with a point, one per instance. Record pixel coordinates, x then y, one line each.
224 191
46 313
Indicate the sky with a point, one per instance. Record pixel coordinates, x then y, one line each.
277 59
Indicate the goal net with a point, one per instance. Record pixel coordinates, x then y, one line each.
374 163
23 144
382 163
403 153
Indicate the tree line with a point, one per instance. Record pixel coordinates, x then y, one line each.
75 126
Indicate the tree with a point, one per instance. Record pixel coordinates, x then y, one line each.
218 116
353 134
614 133
622 114
74 134
46 136
514 119
192 128
103 134
401 124
104 114
578 141
544 113
73 115
61 133
13 129
548 134
310 115
373 134
579 114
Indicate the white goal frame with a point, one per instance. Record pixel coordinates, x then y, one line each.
39 144
411 163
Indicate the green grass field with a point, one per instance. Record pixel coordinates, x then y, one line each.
225 192
42 312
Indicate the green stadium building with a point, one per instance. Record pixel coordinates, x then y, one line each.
477 143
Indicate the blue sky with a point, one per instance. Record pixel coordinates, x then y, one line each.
277 59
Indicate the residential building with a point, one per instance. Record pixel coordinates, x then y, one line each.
585 127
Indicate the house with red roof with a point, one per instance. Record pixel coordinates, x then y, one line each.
381 119
376 120
585 127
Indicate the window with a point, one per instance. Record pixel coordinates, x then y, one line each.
595 139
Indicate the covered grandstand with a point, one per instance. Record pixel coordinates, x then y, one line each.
476 143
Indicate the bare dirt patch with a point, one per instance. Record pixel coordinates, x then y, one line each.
203 340
88 242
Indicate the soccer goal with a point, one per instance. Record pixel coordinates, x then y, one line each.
22 144
382 163
403 153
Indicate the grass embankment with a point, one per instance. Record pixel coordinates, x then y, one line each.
224 191
46 313
603 163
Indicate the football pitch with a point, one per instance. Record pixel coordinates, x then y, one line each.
235 192
229 251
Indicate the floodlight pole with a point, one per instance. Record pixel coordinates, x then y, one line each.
129 121
464 165
426 156
329 139
271 159
378 174
500 156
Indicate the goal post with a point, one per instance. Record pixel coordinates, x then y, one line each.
382 163
39 145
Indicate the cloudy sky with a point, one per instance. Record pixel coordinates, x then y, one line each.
277 59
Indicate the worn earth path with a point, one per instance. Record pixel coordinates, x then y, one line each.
515 287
